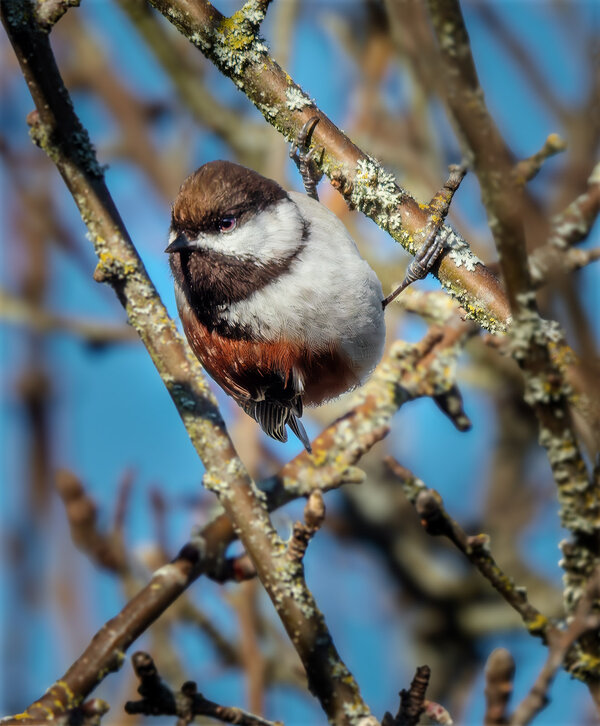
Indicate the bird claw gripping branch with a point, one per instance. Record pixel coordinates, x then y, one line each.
304 158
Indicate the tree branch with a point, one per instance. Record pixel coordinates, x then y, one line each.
49 12
437 521
56 128
499 675
234 47
533 339
526 169
585 620
97 334
158 699
408 371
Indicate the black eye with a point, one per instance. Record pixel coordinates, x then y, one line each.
227 224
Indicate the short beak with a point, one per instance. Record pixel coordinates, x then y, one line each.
180 243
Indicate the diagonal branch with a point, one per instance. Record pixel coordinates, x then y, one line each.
586 619
56 128
436 521
408 371
233 45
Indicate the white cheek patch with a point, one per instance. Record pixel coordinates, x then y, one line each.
269 235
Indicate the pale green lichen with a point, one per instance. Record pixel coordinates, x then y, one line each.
460 252
79 149
296 99
254 12
268 111
375 193
530 329
235 42
356 711
111 268
200 40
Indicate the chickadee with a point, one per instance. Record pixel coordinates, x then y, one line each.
273 295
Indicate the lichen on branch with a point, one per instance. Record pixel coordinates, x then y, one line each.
234 46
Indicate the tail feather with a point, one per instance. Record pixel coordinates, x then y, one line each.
273 418
296 425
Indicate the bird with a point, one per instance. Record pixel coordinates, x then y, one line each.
274 297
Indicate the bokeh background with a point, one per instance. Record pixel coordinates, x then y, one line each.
80 393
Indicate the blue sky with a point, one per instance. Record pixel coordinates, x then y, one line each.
110 411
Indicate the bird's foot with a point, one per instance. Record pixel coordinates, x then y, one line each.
304 158
435 238
421 264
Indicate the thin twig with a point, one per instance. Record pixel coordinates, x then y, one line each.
49 12
585 619
252 658
526 169
104 549
158 699
314 514
437 521
499 675
412 701
574 224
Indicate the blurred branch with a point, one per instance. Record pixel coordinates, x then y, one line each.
574 224
234 47
580 120
49 12
586 619
436 521
91 69
106 550
521 55
569 228
552 262
252 659
499 675
526 169
18 311
158 699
